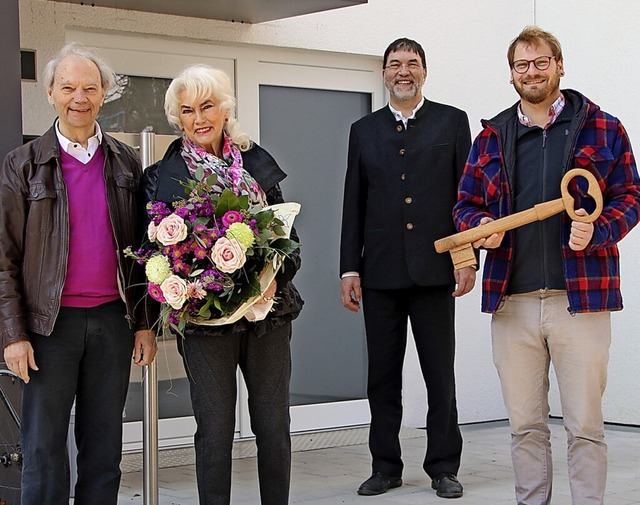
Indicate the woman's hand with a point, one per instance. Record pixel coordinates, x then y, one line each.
268 294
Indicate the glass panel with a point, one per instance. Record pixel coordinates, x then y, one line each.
135 105
307 132
173 386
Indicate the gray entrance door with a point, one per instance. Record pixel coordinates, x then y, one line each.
307 130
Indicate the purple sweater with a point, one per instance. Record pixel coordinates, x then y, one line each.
92 264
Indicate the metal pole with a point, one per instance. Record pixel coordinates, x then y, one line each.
150 380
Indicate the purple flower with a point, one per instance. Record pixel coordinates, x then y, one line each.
200 253
180 266
212 280
231 217
183 212
174 317
155 292
157 211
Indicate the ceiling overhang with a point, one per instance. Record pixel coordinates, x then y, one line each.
241 11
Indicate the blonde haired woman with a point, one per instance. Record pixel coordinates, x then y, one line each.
200 103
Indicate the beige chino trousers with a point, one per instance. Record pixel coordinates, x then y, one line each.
529 332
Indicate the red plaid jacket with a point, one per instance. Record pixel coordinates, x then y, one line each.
600 145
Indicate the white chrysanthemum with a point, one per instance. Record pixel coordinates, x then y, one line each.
157 269
242 233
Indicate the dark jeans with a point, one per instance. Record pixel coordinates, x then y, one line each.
211 363
431 312
86 358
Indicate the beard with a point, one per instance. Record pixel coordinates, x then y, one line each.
401 93
539 93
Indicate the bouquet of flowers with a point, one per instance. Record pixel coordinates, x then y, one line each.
211 255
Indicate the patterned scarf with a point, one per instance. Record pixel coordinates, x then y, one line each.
231 174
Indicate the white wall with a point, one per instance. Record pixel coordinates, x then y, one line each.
466 44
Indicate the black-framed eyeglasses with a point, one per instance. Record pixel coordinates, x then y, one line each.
412 66
541 63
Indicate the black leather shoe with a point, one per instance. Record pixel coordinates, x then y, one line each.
378 483
447 486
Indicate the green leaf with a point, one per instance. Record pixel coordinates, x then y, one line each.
243 200
285 245
263 218
188 185
227 201
212 180
200 220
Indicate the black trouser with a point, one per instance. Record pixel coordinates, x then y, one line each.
431 312
211 363
86 358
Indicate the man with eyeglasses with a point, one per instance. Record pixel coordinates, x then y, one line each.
403 167
551 285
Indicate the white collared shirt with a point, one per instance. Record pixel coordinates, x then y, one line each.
399 117
76 150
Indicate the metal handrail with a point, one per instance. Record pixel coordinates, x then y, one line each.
150 380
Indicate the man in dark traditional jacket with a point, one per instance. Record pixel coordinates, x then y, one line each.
404 164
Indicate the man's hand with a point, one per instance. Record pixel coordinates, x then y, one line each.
351 294
465 280
490 242
19 358
145 347
581 233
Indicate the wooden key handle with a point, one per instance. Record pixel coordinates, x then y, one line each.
593 191
460 244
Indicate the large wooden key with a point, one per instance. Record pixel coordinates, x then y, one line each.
460 245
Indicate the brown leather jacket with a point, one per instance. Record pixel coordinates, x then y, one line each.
34 233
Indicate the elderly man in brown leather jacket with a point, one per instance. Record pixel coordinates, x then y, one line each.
69 320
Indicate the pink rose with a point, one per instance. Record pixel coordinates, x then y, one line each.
228 255
174 290
152 231
171 230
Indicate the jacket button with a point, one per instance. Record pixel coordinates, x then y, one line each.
399 128
408 199
403 177
409 226
402 151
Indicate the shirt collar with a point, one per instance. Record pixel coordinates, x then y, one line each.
399 117
75 149
553 113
